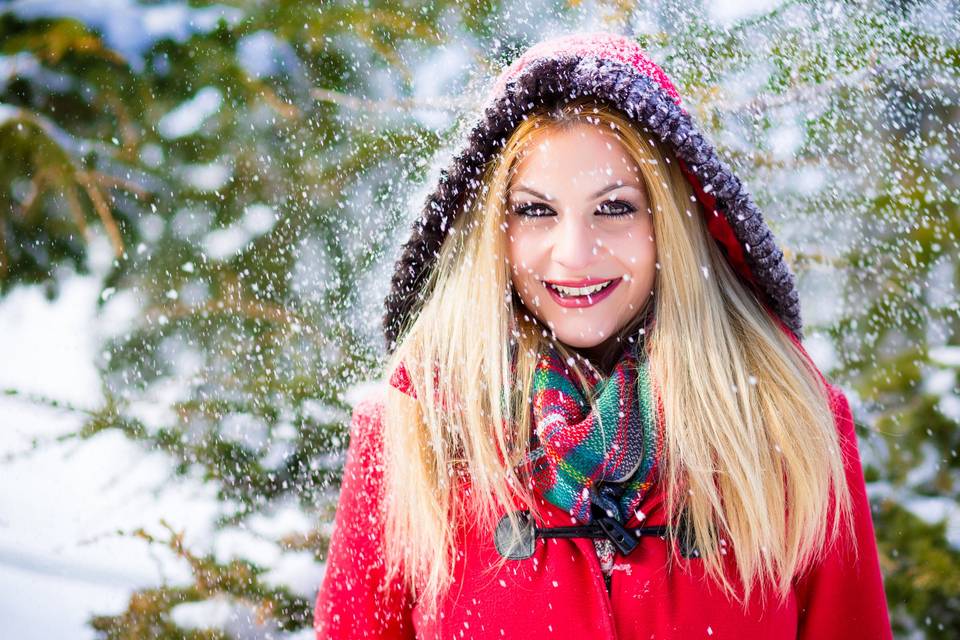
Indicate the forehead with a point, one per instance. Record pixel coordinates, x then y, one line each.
582 154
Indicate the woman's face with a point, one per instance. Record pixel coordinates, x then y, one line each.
578 216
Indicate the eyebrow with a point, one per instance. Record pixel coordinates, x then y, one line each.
605 190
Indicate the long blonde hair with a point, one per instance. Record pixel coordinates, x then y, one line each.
751 453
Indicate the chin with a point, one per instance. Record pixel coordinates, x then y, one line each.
574 339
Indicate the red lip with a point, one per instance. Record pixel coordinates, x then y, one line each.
586 282
582 301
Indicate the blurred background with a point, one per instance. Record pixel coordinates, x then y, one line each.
201 203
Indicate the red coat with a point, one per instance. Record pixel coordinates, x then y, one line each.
560 591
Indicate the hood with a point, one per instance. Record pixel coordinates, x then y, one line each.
616 71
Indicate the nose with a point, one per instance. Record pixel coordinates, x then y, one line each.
574 244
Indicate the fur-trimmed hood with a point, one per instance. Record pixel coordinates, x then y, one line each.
616 71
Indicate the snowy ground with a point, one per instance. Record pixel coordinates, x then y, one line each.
63 503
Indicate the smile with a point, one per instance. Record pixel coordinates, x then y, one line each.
586 295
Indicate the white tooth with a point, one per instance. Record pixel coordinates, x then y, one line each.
580 291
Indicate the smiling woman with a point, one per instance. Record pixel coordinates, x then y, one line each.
580 229
598 399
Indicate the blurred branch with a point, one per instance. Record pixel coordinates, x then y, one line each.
128 131
389 105
89 183
37 184
92 181
4 266
802 258
797 94
107 180
250 310
66 142
761 160
45 401
887 415
365 32
800 94
76 209
282 108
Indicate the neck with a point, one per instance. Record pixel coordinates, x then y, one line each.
605 355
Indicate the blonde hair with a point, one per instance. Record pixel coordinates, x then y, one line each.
751 451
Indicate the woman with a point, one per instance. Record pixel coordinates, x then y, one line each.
625 437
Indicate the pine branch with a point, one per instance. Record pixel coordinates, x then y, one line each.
89 183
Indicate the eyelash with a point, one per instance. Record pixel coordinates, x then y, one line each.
625 211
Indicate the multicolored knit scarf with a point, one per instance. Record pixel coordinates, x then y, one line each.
579 451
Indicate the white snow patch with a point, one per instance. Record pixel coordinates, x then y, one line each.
258 52
27 596
727 12
214 613
225 243
237 543
821 350
949 406
934 509
206 177
129 26
785 140
257 220
443 73
191 114
58 537
939 381
948 355
298 571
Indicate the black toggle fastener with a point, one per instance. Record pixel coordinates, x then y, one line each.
522 546
619 535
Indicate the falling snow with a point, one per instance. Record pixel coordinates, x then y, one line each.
201 212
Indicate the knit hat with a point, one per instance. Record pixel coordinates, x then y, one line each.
616 71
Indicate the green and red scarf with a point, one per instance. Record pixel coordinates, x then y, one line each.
578 451
580 457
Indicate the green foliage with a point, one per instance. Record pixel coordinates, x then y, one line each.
922 573
148 614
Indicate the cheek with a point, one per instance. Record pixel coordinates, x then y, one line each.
635 250
638 258
523 250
